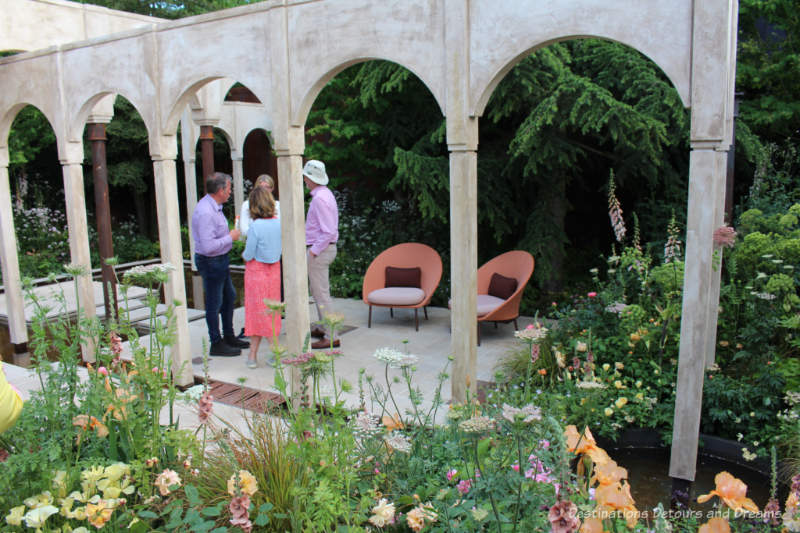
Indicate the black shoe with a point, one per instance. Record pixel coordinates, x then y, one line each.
234 341
317 332
222 349
242 335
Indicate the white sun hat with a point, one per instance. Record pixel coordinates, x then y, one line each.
315 171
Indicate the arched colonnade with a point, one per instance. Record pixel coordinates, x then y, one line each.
285 51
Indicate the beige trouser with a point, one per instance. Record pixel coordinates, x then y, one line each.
318 281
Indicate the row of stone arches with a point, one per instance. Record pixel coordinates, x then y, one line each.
285 52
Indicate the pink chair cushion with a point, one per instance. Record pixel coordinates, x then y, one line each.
488 303
396 296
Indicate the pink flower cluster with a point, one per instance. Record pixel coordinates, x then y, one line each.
116 343
240 512
725 236
301 359
615 213
205 406
539 473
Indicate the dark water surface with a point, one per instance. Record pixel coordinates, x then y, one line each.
648 474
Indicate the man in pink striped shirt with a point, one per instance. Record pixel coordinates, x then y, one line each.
322 233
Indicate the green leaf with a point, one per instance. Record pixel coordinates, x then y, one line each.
212 511
192 495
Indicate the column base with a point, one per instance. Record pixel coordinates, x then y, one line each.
21 355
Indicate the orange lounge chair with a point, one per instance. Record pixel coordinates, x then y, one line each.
499 298
403 276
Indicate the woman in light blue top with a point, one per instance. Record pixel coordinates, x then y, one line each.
262 273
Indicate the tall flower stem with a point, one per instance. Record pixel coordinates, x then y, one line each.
389 390
491 496
528 369
522 477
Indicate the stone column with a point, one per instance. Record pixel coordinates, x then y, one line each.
293 239
97 138
712 103
706 190
462 141
71 156
189 146
238 181
464 270
207 152
169 237
12 283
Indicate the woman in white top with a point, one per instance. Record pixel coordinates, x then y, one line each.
266 181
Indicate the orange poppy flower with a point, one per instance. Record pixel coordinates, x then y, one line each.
608 473
732 491
592 525
617 497
579 443
715 525
598 455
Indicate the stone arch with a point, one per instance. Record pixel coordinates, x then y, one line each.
77 124
308 98
187 96
483 96
7 119
661 32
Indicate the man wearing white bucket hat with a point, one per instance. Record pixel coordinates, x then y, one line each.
322 232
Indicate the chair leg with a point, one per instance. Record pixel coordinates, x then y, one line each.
426 312
516 328
369 320
479 333
416 319
391 312
495 325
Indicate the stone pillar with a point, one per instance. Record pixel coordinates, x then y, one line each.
97 138
12 283
189 145
238 181
169 237
293 240
464 270
462 141
706 189
207 152
71 156
712 103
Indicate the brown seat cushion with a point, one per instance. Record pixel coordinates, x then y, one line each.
403 277
501 286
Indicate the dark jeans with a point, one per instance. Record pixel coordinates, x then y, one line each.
220 294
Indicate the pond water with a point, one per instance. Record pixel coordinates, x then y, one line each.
648 474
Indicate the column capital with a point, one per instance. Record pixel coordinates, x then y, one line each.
103 111
70 153
163 147
290 141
